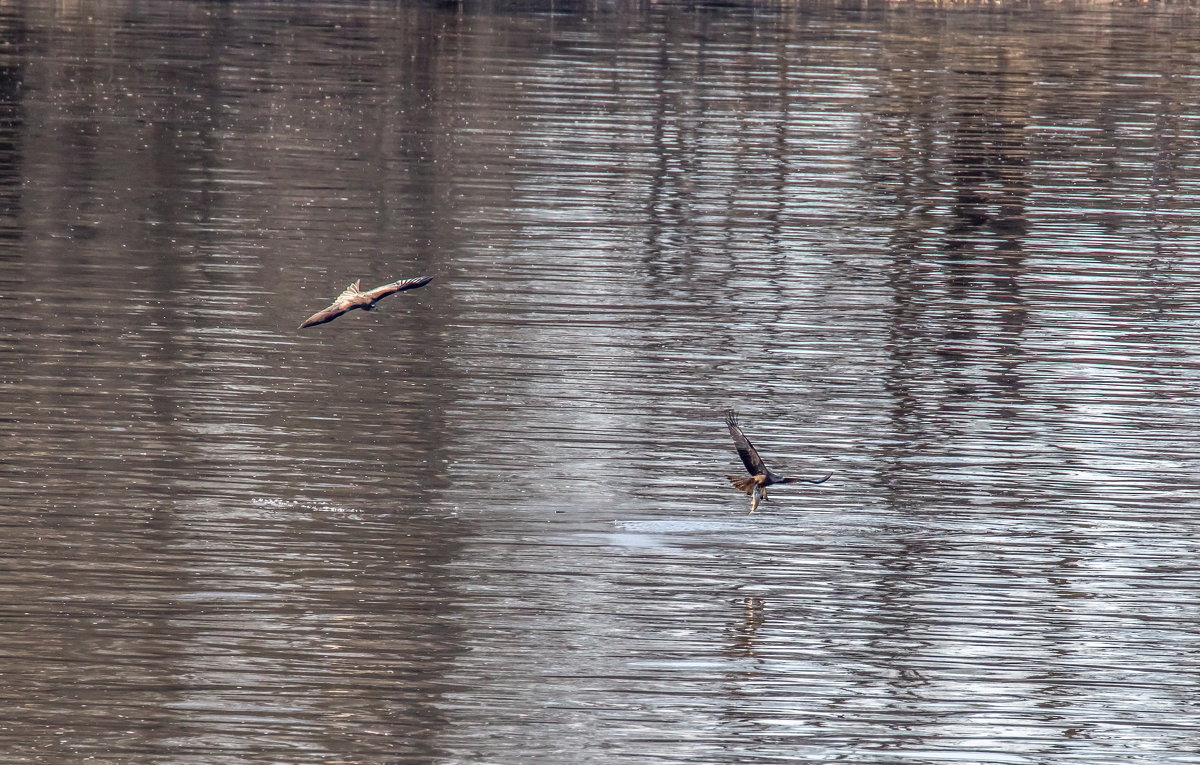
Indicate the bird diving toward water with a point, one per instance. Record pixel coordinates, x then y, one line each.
760 476
353 297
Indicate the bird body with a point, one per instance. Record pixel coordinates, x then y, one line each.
354 297
760 476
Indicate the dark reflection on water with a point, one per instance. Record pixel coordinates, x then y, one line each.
945 252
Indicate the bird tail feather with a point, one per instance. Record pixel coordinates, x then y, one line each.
744 484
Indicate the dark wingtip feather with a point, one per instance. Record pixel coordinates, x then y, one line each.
416 281
313 321
309 321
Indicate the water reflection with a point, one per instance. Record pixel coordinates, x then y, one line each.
942 250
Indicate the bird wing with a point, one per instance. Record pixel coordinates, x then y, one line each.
745 449
329 314
398 286
350 298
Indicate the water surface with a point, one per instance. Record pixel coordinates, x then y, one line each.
945 252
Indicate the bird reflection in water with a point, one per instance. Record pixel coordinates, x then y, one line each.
744 635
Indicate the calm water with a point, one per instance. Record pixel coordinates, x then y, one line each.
947 253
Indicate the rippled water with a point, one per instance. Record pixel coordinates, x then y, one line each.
946 252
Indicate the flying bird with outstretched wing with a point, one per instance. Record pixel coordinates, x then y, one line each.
354 297
760 476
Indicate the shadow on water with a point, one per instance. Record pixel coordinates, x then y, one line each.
940 251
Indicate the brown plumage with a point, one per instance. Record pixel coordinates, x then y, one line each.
353 297
760 476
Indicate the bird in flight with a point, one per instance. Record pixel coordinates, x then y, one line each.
760 476
353 297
